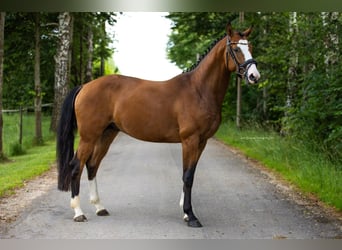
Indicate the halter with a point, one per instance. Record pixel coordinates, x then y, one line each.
241 69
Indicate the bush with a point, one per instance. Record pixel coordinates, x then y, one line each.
16 149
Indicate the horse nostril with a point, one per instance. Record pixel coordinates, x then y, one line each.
253 79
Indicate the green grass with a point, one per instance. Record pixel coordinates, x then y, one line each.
11 132
36 161
24 161
311 171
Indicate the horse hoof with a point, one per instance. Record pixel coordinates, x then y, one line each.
102 212
80 218
194 223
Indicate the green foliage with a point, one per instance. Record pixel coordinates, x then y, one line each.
299 58
192 33
19 53
19 58
16 149
315 115
11 133
83 23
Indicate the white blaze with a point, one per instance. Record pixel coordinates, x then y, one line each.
243 45
252 70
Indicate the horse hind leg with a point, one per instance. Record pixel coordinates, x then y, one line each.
100 150
77 164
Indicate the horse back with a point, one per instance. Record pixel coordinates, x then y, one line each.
144 109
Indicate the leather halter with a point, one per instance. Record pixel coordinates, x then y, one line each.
241 69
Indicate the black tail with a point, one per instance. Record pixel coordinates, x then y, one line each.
65 140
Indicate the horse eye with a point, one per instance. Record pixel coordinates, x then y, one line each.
236 49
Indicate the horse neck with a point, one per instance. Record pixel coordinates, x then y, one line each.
211 76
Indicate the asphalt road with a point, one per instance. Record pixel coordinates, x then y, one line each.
140 185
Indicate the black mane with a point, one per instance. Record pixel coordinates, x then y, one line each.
192 67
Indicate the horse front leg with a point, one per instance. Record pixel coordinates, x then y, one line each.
192 150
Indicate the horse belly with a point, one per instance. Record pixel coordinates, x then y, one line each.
148 124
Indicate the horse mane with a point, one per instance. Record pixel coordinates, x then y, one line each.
192 67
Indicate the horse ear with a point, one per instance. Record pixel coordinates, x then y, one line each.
247 31
229 29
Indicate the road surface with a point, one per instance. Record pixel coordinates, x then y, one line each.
140 185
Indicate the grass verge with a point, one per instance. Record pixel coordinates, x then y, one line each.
24 161
11 132
36 161
311 171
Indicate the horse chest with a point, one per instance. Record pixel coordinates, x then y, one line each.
212 123
206 121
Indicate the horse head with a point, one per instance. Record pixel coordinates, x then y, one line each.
239 55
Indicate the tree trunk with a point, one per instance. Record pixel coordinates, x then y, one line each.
81 70
2 36
37 85
89 70
102 66
238 102
293 60
331 42
62 67
292 69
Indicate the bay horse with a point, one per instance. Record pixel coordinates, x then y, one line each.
185 109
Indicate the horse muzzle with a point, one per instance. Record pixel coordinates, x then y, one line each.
252 74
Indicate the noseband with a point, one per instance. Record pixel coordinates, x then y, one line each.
241 69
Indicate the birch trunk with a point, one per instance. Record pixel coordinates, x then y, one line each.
331 42
293 60
62 66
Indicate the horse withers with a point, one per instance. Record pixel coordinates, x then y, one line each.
185 109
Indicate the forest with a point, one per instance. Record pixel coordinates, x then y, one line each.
298 55
299 58
44 55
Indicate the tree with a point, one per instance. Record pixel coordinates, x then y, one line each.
37 84
2 37
89 68
298 56
192 34
62 66
101 38
34 43
19 80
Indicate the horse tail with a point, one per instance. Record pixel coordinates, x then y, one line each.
66 129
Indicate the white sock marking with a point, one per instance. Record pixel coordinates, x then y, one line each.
94 195
181 200
75 204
